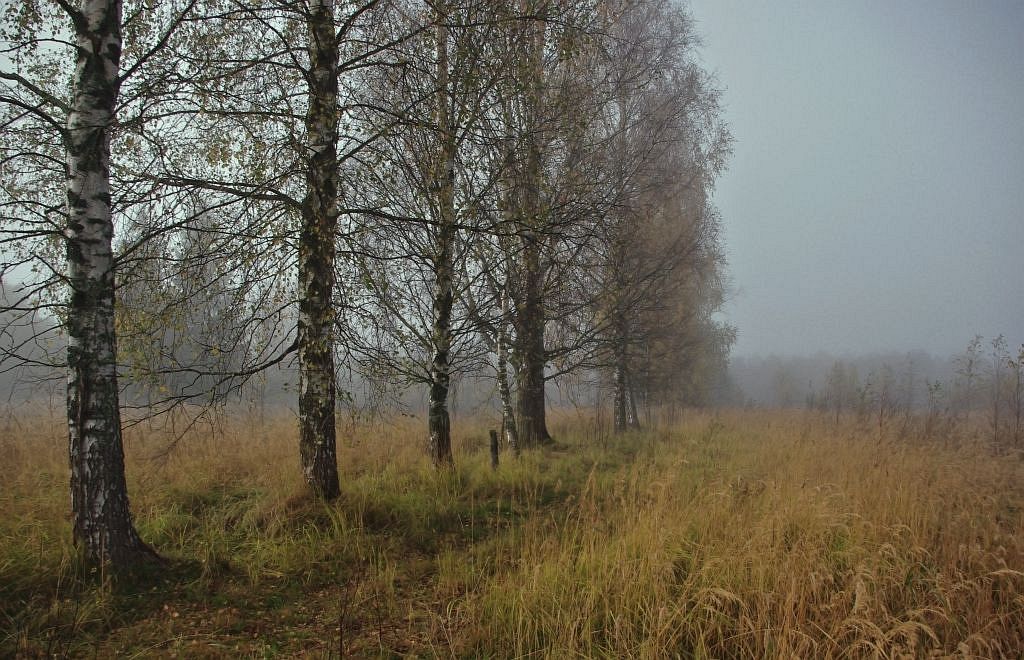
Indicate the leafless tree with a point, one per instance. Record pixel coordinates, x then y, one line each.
427 190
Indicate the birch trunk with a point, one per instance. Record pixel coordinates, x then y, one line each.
317 443
532 424
632 416
508 418
439 421
530 378
626 416
101 520
620 393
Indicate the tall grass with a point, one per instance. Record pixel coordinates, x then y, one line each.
733 535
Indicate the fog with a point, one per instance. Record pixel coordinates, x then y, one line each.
874 202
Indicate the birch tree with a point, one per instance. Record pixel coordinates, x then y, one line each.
58 135
99 497
279 100
424 203
543 104
317 383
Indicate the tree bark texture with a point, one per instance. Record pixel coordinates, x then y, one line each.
101 520
317 387
531 319
530 402
619 398
508 418
632 415
439 421
625 407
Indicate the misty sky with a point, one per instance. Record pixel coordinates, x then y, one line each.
875 199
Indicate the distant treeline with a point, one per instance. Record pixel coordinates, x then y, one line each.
985 379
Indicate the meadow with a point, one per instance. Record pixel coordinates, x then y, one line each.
732 534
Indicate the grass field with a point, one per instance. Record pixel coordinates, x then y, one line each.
742 534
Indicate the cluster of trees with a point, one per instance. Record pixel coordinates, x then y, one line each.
980 390
194 191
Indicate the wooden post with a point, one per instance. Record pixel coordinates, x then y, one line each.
494 449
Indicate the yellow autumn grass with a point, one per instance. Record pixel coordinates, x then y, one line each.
737 534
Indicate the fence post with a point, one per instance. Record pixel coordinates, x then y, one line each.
494 449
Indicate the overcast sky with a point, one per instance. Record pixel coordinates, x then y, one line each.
875 198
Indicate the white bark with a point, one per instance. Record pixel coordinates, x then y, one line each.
100 514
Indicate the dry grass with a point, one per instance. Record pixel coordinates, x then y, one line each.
740 535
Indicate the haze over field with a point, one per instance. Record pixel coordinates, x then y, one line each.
404 328
874 200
